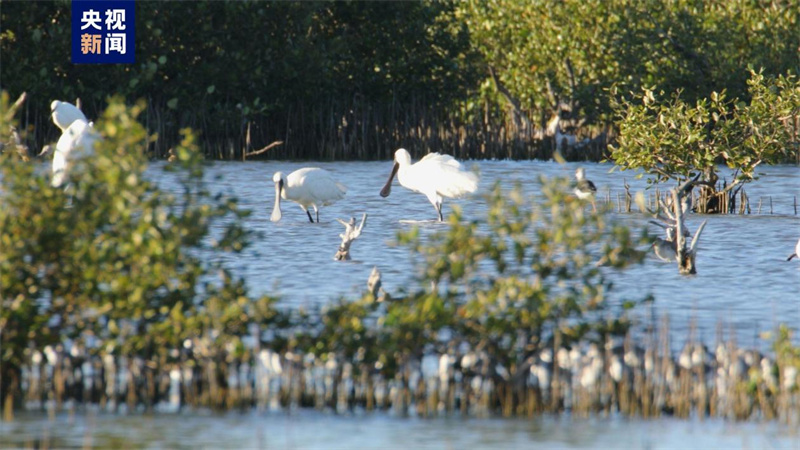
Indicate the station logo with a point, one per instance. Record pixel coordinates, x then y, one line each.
103 31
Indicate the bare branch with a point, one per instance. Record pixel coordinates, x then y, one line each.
258 152
572 84
22 149
12 111
687 186
511 99
696 237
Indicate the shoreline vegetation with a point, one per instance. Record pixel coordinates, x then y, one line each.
116 293
511 322
349 81
609 376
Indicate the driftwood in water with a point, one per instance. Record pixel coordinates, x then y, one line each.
673 222
351 232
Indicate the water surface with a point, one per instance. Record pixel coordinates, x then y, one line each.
319 430
743 280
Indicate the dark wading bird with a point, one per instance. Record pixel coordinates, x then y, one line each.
436 176
585 189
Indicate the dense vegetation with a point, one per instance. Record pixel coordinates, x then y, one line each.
112 262
340 80
674 140
109 297
113 265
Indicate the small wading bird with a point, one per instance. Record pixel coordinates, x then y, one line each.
796 252
665 249
585 189
436 176
308 187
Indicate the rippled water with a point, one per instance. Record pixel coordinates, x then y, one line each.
318 430
743 279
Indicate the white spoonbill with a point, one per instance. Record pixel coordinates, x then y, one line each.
584 189
436 176
65 113
796 252
76 141
309 186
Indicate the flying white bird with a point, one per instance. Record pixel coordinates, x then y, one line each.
796 252
64 114
436 176
585 189
77 141
308 187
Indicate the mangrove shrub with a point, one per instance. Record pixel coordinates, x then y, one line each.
677 140
113 263
572 51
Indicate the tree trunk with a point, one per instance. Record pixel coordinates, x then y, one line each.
9 388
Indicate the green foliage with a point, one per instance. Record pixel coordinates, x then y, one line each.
674 140
215 65
539 269
113 256
295 69
536 270
786 352
528 43
696 46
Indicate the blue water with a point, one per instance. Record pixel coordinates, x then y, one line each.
319 430
743 280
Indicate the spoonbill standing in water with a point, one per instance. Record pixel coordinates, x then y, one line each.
436 176
796 252
585 189
308 186
65 113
